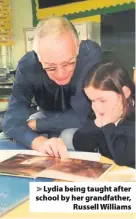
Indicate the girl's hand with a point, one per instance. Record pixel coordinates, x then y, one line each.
98 121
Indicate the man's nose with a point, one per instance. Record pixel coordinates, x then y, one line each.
60 72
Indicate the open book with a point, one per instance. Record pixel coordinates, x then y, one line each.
33 166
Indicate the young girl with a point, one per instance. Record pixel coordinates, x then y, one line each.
112 133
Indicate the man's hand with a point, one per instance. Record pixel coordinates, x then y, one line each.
53 147
32 124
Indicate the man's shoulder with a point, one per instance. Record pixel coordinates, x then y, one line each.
89 46
28 60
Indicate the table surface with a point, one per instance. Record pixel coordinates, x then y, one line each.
3 102
116 174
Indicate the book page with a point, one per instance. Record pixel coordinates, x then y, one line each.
26 165
5 154
75 170
84 155
30 165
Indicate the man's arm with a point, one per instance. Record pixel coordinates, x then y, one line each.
80 106
14 123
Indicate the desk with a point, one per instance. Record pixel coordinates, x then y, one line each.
6 86
3 103
3 107
122 173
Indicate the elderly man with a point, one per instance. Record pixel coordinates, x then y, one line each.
52 74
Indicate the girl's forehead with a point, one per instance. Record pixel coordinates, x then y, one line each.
95 93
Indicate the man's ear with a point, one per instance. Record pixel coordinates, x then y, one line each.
126 91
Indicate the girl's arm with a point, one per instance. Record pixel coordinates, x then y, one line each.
88 137
121 142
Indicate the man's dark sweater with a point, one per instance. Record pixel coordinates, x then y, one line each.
64 106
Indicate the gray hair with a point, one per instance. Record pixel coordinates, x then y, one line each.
54 25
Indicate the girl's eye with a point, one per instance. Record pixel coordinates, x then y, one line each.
103 101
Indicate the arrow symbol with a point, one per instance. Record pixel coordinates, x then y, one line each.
39 189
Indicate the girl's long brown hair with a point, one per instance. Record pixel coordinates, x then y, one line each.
111 76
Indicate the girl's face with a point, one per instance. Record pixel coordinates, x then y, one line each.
103 102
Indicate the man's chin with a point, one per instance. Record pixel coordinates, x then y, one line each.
62 82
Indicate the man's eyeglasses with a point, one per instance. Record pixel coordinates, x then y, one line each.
67 66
